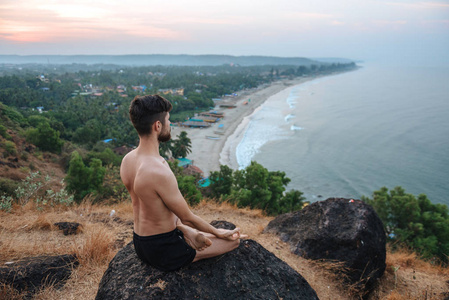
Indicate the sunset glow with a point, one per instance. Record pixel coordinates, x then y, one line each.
300 28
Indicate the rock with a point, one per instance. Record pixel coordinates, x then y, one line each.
69 227
248 272
29 274
223 225
337 229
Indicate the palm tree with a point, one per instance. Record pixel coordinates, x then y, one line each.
182 146
165 148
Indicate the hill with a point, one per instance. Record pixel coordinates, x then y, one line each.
29 232
160 59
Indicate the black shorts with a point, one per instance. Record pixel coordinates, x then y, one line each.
166 251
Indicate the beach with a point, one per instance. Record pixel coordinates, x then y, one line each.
208 154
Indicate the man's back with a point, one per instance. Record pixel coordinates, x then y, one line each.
141 173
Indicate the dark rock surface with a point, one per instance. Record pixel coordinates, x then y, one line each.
223 225
248 272
337 229
29 274
69 227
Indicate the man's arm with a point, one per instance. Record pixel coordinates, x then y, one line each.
167 188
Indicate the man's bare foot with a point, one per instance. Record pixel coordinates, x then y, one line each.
194 238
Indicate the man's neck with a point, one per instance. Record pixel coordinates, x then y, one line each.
148 145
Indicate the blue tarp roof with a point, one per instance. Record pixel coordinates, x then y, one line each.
204 182
184 162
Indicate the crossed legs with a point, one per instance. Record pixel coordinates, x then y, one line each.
206 244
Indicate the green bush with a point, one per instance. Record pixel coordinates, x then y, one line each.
188 188
8 186
45 137
4 133
5 203
187 184
32 188
256 187
10 148
107 157
413 222
83 180
113 190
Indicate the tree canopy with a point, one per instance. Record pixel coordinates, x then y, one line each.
413 221
256 187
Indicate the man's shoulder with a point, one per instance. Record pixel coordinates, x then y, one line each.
129 157
154 166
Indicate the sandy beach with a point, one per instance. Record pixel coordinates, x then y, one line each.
208 154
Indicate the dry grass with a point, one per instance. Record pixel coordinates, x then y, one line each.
28 232
42 223
409 277
96 248
9 293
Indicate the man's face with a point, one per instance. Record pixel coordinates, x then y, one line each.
165 134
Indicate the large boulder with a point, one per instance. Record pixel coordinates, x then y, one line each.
248 272
28 275
337 229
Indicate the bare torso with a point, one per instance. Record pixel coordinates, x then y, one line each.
151 215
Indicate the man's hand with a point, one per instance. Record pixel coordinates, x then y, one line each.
230 235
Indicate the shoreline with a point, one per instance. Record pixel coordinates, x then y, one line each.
208 154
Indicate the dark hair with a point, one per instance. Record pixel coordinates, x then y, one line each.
144 111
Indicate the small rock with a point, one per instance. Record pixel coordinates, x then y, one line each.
69 227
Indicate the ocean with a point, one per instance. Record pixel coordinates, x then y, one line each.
350 134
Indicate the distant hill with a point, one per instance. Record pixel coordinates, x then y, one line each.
157 59
335 60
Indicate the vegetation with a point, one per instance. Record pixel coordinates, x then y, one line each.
83 180
37 189
187 184
67 108
256 187
182 146
74 125
413 222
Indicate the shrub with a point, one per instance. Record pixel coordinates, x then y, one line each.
256 187
8 186
413 221
83 180
187 184
10 148
5 203
113 188
4 133
32 189
45 137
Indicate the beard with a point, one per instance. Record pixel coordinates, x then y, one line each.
164 136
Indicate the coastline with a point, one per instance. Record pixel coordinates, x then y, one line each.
208 154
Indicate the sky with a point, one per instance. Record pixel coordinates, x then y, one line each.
399 30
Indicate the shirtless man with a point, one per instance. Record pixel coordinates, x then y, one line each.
167 235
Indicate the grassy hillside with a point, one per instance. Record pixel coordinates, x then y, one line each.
28 232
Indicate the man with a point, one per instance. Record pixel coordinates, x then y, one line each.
167 235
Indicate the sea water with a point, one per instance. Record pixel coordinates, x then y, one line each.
350 134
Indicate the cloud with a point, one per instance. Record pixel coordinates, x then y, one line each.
50 23
389 22
309 15
420 5
337 23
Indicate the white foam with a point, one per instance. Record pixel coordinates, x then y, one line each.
288 117
294 127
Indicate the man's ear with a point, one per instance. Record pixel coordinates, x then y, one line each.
157 126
